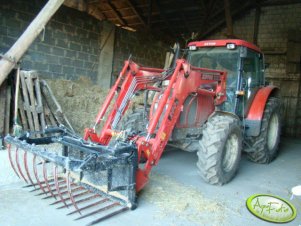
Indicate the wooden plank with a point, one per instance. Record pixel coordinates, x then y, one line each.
7 110
117 14
22 118
228 18
256 24
40 102
26 101
54 105
2 107
30 87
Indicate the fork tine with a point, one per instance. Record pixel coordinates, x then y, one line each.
26 168
70 192
18 165
36 173
57 187
10 160
46 179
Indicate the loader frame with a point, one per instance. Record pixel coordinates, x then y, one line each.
184 80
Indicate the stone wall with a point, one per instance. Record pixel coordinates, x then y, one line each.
145 49
279 39
68 48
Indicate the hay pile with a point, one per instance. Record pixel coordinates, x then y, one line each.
184 202
80 100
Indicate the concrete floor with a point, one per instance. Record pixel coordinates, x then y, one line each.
175 195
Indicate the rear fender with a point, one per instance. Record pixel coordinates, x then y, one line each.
255 114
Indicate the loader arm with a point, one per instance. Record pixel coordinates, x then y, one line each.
184 80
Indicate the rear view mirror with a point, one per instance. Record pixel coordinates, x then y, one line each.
266 65
243 52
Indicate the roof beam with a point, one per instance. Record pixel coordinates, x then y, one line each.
228 18
136 10
117 14
221 22
165 19
150 10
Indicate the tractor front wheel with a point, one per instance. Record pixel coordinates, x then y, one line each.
220 149
265 146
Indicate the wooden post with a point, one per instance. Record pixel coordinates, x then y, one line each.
256 24
228 18
15 53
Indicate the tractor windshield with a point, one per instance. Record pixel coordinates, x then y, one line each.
217 58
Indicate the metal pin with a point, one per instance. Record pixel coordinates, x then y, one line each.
18 165
91 205
74 196
31 185
66 192
99 210
107 216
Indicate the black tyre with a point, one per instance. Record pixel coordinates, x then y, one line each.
265 146
135 121
220 149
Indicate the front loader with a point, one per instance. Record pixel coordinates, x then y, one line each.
213 101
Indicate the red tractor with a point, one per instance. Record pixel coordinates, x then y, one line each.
214 100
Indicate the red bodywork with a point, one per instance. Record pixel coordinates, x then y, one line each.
259 103
185 80
238 42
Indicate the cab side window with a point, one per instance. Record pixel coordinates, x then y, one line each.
252 69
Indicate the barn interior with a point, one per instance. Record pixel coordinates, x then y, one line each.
80 52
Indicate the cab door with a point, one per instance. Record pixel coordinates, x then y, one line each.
252 77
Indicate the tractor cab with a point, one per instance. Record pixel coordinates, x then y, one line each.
243 62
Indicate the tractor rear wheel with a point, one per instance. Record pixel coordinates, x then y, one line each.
265 145
135 121
220 149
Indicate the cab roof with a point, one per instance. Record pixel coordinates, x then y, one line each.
224 42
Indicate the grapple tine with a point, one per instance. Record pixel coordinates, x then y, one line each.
50 184
107 216
56 194
89 206
74 196
18 165
99 210
66 192
26 168
36 174
57 187
31 185
46 179
10 160
70 192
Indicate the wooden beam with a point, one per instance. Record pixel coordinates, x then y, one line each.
208 14
150 10
136 10
221 22
14 54
117 14
165 19
280 2
256 24
228 18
